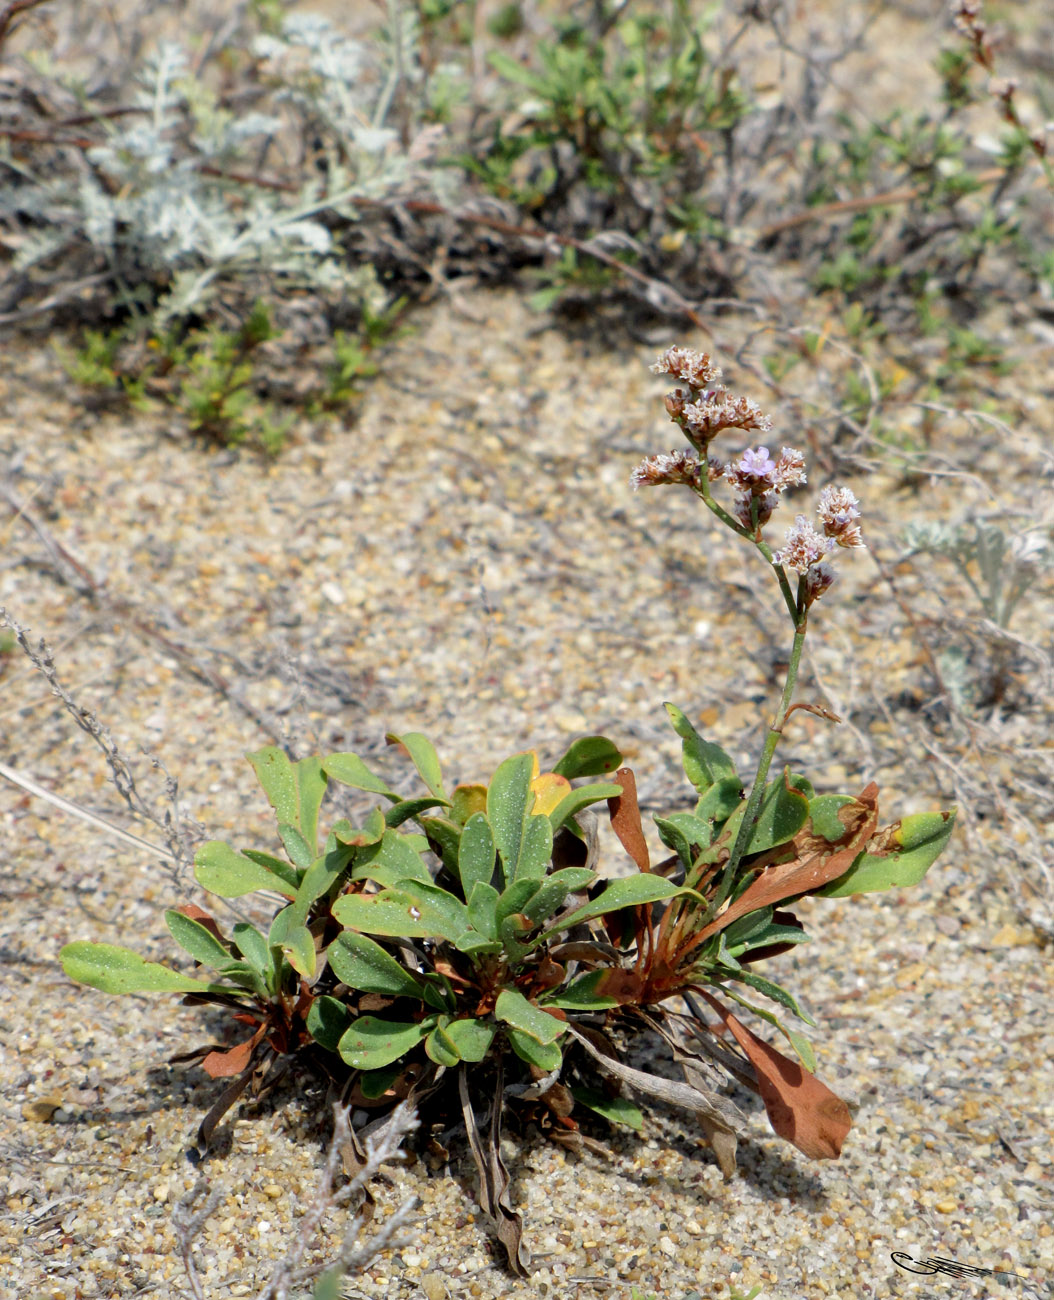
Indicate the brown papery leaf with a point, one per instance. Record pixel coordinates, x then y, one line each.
800 1108
723 1145
224 1065
221 1106
625 819
816 862
493 1176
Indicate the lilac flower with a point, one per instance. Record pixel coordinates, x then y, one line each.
838 511
803 547
757 470
693 368
673 467
754 469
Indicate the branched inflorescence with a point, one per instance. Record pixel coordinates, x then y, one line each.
707 409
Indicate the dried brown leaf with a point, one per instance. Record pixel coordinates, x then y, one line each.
816 861
625 819
493 1176
800 1108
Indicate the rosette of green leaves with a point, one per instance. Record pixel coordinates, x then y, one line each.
501 901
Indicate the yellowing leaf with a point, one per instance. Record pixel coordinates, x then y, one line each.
549 790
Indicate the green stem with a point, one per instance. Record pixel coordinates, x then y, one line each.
703 492
750 816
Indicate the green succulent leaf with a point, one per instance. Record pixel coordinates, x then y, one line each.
370 1043
908 850
274 771
536 850
589 756
424 758
312 783
444 837
375 1083
514 1009
674 837
617 1110
628 891
514 930
253 947
782 814
440 1048
770 990
546 1056
509 801
328 1020
363 965
322 876
553 891
477 854
720 801
285 871
581 797
301 854
472 1038
483 909
512 900
411 809
222 870
823 815
802 1047
370 833
198 940
473 944
295 941
119 970
294 790
425 913
580 994
349 769
704 763
393 859
758 930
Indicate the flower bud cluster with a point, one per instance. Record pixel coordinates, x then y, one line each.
806 551
707 407
757 477
672 467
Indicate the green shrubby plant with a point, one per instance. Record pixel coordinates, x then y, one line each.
220 379
460 946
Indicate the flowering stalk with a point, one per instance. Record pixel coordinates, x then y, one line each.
968 18
702 412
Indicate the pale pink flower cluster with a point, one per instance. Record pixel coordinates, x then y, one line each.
757 472
966 15
839 512
803 547
717 409
692 368
672 467
760 478
806 551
